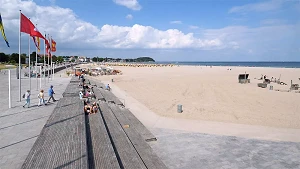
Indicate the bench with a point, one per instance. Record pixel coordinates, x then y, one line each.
133 130
132 121
62 141
125 152
98 94
72 90
110 97
101 151
107 95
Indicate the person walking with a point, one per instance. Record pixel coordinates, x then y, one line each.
50 93
41 97
27 98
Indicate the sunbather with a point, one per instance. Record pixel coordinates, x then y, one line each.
87 108
94 108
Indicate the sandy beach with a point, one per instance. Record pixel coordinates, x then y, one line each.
214 94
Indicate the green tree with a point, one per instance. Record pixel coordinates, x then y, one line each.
14 58
4 57
32 57
60 59
54 58
23 58
94 59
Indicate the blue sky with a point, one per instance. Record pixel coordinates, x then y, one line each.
167 30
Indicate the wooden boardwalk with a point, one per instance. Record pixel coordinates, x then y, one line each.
107 95
62 142
112 138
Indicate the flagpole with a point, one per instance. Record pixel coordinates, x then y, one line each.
20 59
40 77
36 68
45 59
48 63
29 69
51 58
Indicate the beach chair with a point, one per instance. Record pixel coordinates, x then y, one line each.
243 78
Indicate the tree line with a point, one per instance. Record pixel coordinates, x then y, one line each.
139 59
14 58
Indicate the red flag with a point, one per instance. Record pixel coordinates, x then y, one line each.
37 33
28 27
48 47
53 49
47 44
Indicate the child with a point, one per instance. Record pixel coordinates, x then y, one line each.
41 98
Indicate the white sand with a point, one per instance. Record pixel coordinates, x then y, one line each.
213 94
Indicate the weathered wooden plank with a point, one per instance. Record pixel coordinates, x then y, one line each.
75 79
107 95
72 90
98 94
62 142
97 83
128 156
102 149
110 97
146 153
140 128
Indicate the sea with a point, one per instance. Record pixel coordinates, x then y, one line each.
241 64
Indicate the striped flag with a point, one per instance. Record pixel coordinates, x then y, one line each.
36 41
2 31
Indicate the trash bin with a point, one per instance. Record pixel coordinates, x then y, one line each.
112 80
179 108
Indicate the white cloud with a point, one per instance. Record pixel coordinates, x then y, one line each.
139 36
193 27
131 4
75 36
272 22
175 22
259 39
257 7
71 32
129 16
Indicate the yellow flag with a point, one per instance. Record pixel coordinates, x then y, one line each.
38 43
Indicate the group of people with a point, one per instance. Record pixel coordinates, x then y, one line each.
86 94
90 108
40 96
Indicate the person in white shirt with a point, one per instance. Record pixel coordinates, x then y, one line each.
27 98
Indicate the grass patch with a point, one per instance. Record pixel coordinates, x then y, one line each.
7 66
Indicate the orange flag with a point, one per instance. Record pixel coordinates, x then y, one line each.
53 49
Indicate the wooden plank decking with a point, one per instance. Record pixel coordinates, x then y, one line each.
112 138
108 96
150 159
127 118
101 151
129 158
62 142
